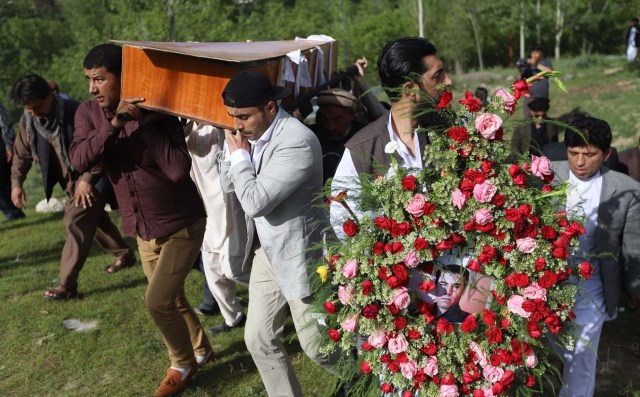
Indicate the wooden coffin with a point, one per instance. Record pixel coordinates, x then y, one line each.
187 79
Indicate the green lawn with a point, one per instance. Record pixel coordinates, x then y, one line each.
125 355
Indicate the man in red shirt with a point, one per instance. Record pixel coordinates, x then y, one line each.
146 159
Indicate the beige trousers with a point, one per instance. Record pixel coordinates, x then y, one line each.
166 262
265 323
222 285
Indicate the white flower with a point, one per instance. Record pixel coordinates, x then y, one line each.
391 147
393 170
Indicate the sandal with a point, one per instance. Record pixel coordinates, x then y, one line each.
60 293
120 264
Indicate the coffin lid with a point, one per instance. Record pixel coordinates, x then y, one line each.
230 52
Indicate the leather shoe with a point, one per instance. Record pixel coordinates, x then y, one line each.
173 382
218 329
204 310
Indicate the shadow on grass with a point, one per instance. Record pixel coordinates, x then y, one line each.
29 221
31 258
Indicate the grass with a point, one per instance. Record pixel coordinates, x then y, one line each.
125 355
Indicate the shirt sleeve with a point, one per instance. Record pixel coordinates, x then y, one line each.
22 156
346 180
90 137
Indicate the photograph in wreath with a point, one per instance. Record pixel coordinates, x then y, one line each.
453 273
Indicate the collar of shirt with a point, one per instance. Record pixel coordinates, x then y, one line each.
256 146
409 160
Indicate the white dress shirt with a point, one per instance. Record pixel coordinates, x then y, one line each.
347 178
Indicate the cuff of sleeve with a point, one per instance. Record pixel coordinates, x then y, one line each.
16 184
87 177
238 156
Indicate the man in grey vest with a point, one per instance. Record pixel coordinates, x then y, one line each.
409 72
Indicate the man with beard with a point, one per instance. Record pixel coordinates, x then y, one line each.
410 72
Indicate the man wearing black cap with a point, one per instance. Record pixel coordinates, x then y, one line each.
274 164
533 135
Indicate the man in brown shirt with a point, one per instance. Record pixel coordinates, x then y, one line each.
146 159
46 130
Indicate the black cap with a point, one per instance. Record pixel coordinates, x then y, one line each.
539 104
248 88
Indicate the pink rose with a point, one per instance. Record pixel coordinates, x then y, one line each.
401 298
416 205
526 245
411 259
408 369
540 166
535 291
350 324
449 391
514 304
488 124
488 392
458 198
480 356
377 339
531 361
483 216
431 369
345 294
492 374
484 191
350 269
509 101
398 344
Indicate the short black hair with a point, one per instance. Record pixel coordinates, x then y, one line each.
539 104
537 47
107 55
587 131
455 269
401 60
30 88
635 19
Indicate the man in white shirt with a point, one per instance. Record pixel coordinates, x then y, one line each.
273 162
632 40
223 247
610 202
409 72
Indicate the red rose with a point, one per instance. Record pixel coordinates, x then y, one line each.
427 286
402 229
521 279
397 247
497 389
383 273
501 299
407 393
466 186
534 329
382 223
469 324
548 279
409 182
546 189
512 215
424 307
428 209
478 393
393 309
548 232
414 334
401 272
365 368
429 349
494 335
586 270
366 346
400 323
488 228
573 230
531 380
444 326
475 175
378 248
488 317
367 286
394 282
420 244
474 266
540 264
334 335
445 100
386 388
350 228
471 102
560 252
499 199
457 238
371 311
529 306
487 166
330 307
458 134
444 245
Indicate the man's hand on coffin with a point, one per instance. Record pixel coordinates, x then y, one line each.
236 140
127 110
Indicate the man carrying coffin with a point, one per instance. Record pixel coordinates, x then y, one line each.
273 162
146 159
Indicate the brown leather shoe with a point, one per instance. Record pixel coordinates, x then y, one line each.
173 383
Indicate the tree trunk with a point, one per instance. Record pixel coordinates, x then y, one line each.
458 67
522 50
172 20
420 20
559 26
538 37
476 35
